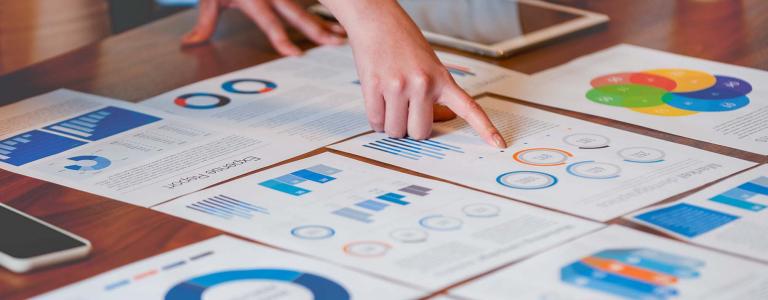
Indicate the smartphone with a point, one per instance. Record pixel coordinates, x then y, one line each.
27 243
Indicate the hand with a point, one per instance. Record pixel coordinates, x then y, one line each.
401 76
267 14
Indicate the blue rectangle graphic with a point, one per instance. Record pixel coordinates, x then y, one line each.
354 215
738 203
309 175
372 205
284 188
686 220
110 121
393 198
39 144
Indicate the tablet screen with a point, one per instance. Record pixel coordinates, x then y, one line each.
483 21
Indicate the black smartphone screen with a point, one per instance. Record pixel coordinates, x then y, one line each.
22 237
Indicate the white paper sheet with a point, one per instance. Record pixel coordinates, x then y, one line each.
126 151
621 263
406 228
700 99
554 161
731 215
228 268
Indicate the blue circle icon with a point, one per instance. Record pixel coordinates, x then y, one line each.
321 288
313 232
97 163
267 86
526 180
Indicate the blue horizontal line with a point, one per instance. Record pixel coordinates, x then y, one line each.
394 152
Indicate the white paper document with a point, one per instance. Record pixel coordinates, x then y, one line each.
126 151
695 98
554 161
731 215
621 263
406 228
228 268
315 97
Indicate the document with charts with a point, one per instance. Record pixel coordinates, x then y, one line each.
622 263
554 161
405 228
315 98
731 215
224 267
691 97
126 151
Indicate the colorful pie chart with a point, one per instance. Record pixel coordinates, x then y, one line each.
210 100
249 86
670 92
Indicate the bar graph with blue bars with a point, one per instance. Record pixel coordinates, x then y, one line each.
379 203
102 123
632 273
226 207
33 145
752 195
414 149
288 183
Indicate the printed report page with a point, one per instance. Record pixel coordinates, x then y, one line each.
126 151
555 161
405 228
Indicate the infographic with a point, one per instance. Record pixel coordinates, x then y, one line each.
228 268
402 227
622 263
554 161
695 98
730 215
128 152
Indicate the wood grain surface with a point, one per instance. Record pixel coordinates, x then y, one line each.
148 61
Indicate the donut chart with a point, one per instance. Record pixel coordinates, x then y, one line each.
264 86
97 163
670 92
184 100
321 288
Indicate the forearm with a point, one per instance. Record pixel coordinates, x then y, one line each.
364 17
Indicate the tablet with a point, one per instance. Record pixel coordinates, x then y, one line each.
494 28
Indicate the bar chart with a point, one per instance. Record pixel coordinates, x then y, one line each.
289 183
364 210
33 145
102 123
752 195
414 149
226 207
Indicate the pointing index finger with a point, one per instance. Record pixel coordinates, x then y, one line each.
466 108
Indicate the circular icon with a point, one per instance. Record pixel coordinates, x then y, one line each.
481 210
246 86
526 180
594 170
190 101
542 156
313 232
96 163
409 235
441 223
321 288
367 248
642 154
587 140
670 92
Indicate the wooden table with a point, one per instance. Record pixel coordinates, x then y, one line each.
148 61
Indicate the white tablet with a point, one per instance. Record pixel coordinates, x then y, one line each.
494 28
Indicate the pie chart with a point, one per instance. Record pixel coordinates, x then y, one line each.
320 287
95 163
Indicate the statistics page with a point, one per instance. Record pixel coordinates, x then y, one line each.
406 228
554 161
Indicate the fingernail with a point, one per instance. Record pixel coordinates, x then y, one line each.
499 141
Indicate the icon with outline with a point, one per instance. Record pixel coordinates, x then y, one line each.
632 273
95 163
441 223
594 170
367 248
670 92
235 86
543 157
587 141
313 232
642 155
409 235
527 180
481 210
186 101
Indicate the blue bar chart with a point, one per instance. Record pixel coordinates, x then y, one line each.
33 145
226 207
288 183
752 195
380 203
414 149
102 123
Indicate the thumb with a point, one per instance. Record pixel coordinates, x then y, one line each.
207 18
466 108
